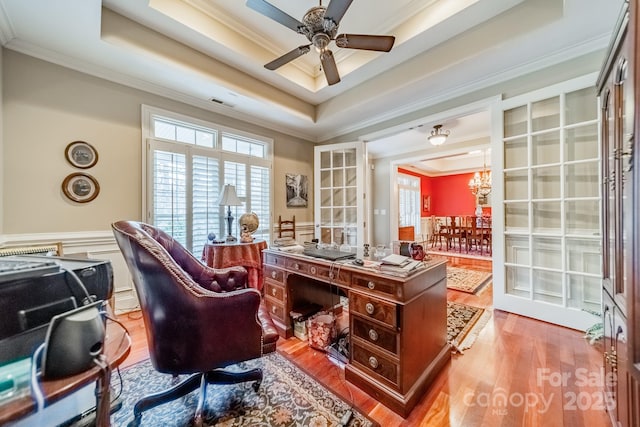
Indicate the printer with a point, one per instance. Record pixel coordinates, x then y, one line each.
34 288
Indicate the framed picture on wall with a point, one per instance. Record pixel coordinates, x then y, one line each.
426 203
81 154
297 190
80 187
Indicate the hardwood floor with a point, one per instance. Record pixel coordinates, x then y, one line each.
519 372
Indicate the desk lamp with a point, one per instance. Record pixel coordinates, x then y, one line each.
228 198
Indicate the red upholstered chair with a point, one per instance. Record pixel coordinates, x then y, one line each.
198 320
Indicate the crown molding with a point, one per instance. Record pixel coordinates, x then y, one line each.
136 83
7 33
519 70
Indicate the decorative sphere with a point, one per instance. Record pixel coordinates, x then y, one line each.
211 236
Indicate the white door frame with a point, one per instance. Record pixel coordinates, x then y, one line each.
443 150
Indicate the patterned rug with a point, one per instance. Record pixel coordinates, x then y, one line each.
465 280
287 397
455 252
464 323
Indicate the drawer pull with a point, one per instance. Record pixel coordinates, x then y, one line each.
274 274
273 292
371 285
373 362
373 335
313 270
296 266
370 308
331 275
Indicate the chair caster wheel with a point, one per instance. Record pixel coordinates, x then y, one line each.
256 386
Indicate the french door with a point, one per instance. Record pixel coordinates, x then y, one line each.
547 251
340 182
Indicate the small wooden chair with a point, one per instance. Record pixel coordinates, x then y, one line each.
287 228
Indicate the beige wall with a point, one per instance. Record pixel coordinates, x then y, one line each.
45 107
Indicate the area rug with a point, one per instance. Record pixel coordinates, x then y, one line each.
455 252
466 280
287 397
464 323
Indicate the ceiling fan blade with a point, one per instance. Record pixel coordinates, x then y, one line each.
365 42
287 57
336 10
270 11
329 67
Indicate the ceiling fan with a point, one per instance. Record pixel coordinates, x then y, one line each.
320 25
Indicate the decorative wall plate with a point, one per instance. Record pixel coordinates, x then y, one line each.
80 187
81 154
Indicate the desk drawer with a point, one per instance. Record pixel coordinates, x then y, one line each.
376 284
376 364
373 308
274 274
331 274
296 265
375 334
274 291
276 310
271 259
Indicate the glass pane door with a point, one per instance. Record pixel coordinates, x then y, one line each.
551 204
339 194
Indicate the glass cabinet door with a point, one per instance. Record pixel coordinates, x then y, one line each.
551 205
624 144
339 194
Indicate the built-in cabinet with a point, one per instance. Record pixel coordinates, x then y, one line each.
620 243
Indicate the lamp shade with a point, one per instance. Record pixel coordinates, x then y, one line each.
228 196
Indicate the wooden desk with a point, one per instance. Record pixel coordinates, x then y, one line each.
117 349
397 325
247 255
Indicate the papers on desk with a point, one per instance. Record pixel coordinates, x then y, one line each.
395 265
395 259
402 270
296 249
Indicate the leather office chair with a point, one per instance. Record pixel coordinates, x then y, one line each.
198 320
287 228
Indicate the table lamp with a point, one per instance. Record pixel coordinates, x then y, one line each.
228 198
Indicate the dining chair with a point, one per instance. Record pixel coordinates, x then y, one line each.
441 231
475 235
455 232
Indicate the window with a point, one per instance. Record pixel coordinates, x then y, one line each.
409 199
187 163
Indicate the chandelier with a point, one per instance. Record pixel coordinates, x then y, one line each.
480 184
438 136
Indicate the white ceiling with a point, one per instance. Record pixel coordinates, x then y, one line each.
198 50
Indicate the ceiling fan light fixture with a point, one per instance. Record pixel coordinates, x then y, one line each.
320 41
438 136
320 26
